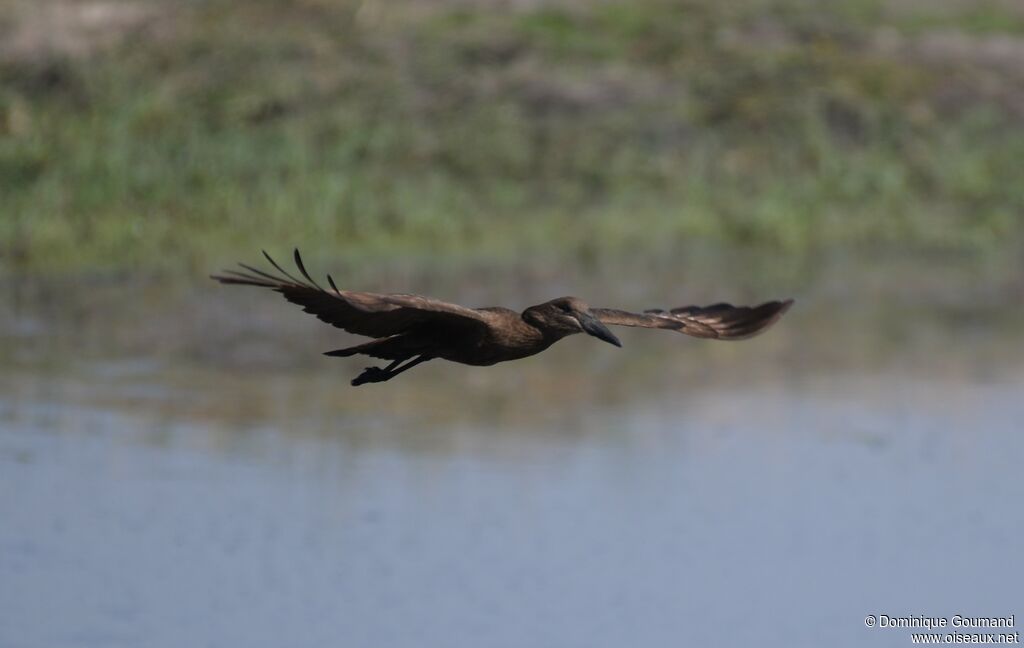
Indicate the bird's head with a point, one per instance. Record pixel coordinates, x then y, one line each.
568 315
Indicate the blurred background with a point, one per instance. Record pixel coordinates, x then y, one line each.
180 466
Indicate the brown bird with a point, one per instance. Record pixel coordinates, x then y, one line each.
412 329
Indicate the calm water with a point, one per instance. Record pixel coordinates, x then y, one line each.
179 467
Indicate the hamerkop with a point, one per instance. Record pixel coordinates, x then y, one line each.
412 329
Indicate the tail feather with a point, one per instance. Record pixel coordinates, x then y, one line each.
391 348
396 347
343 353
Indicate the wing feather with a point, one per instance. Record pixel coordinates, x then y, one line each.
717 322
363 313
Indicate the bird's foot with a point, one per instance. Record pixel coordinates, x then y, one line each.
370 375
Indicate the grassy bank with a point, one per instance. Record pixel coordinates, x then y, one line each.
187 131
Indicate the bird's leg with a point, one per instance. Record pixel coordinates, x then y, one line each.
409 365
376 374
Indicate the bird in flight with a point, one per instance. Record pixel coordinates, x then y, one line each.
412 329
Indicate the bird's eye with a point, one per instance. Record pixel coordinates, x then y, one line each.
565 308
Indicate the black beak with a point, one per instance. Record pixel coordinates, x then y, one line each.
593 326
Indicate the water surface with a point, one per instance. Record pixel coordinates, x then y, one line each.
172 474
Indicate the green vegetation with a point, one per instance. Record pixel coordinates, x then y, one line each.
213 128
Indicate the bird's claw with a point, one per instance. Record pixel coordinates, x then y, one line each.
370 375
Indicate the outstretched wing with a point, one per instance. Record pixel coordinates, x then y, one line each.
717 322
363 313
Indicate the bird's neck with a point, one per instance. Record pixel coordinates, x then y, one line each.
540 335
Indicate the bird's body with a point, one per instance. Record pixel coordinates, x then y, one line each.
505 336
414 329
